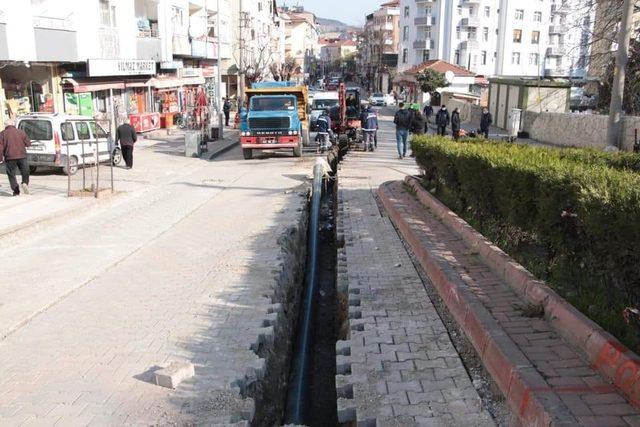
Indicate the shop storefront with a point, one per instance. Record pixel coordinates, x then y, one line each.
114 90
26 88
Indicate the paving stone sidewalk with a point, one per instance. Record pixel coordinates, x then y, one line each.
571 389
399 366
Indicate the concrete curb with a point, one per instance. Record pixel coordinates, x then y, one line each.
509 367
222 148
59 217
607 355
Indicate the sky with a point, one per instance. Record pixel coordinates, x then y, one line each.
350 12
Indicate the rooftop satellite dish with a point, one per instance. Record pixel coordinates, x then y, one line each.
449 76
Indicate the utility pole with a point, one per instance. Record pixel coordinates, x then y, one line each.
614 125
219 79
241 70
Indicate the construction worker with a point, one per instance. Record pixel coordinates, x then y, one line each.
324 128
369 120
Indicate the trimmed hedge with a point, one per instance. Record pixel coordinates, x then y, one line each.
571 217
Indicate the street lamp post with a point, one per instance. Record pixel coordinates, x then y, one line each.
219 77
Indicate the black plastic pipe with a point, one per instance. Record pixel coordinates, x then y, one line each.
298 393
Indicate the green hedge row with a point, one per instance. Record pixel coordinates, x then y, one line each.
571 217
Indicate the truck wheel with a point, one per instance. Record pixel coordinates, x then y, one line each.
297 152
32 169
247 153
72 167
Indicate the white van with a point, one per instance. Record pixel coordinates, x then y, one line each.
322 101
54 135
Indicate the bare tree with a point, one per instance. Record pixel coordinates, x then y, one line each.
284 71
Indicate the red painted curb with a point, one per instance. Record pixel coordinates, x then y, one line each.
608 356
518 380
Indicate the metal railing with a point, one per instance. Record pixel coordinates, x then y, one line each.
85 167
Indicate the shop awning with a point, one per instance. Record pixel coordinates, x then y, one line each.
160 83
83 84
138 82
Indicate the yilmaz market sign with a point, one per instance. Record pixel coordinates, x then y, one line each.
120 67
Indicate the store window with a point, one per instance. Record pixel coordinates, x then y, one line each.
66 130
83 130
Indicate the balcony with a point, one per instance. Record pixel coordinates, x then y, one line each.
472 21
423 44
55 38
424 20
4 47
558 50
469 45
108 43
204 49
471 3
551 71
558 29
181 45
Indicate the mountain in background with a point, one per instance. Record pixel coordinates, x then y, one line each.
333 26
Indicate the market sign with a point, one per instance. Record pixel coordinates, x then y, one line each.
120 67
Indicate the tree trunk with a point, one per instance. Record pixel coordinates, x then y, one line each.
619 74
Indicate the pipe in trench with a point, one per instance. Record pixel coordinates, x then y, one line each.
298 394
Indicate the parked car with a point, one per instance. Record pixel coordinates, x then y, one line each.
381 100
66 141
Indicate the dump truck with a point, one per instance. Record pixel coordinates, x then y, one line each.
277 118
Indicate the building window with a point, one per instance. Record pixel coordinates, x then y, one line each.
519 14
487 11
483 57
534 58
457 57
485 34
405 54
537 16
406 11
517 36
472 34
107 14
405 33
515 58
535 37
458 33
425 55
459 10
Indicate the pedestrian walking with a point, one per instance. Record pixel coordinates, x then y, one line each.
13 152
418 123
369 120
428 112
485 122
126 135
455 123
226 109
442 120
402 120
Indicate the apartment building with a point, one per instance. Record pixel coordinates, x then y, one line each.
379 45
110 58
301 38
495 37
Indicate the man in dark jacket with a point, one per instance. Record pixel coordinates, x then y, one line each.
442 120
402 120
369 120
126 135
428 112
226 109
13 151
418 124
455 123
324 130
485 122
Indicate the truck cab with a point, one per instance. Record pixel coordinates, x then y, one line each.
276 118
